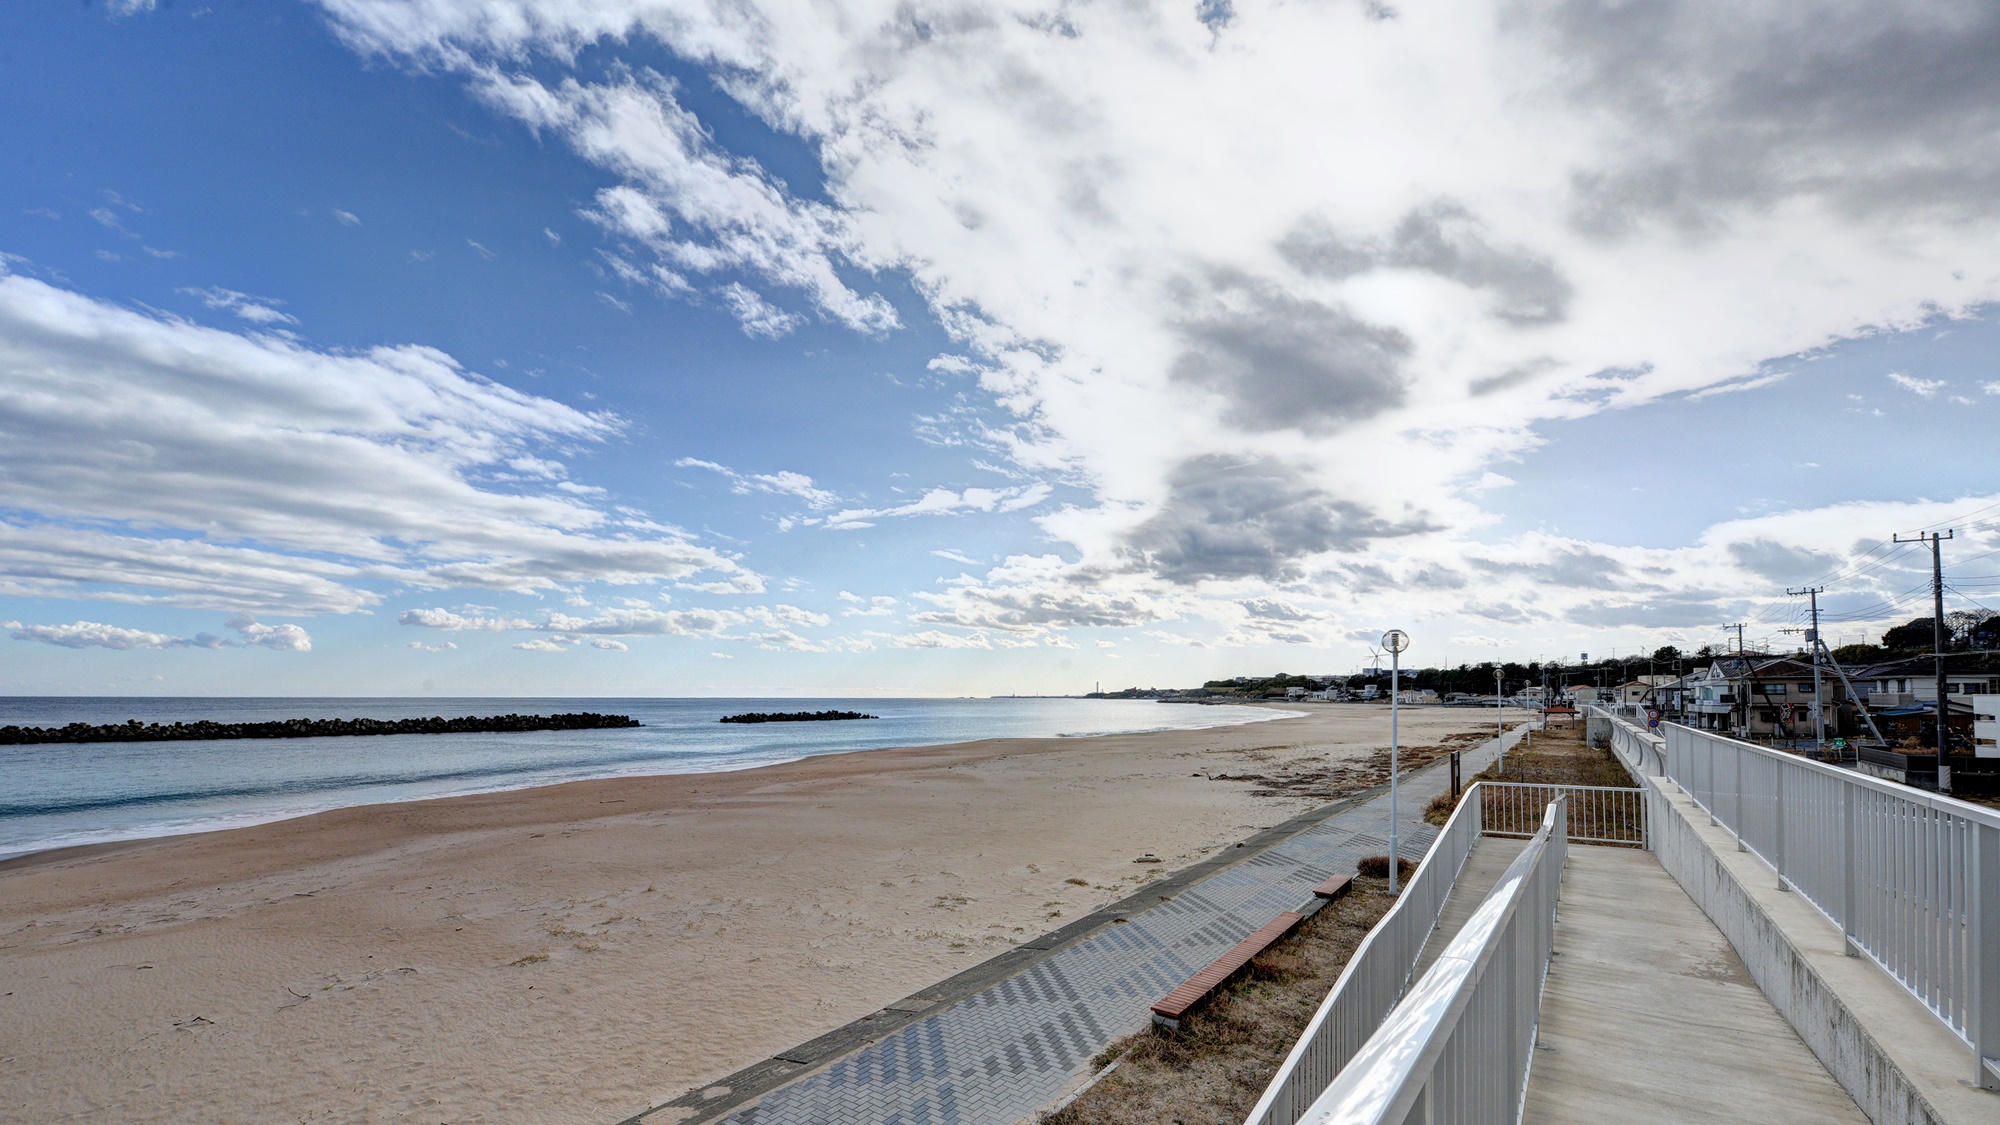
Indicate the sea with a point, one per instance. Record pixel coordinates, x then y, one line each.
59 795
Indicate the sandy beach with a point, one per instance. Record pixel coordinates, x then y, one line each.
581 952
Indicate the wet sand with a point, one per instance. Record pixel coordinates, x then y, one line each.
580 952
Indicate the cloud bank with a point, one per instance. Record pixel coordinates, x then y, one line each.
146 459
1280 285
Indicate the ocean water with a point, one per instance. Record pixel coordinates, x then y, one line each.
60 795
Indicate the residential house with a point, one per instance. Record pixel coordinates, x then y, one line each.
1912 681
1762 697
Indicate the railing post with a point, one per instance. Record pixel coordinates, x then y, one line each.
1850 844
1778 822
1736 778
1984 917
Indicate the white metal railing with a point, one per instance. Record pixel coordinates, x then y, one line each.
1457 1050
1911 878
1375 976
1598 814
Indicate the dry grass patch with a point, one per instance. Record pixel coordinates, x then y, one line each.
1217 1064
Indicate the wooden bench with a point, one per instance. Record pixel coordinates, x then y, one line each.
1335 887
1202 985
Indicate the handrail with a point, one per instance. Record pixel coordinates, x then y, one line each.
1912 879
1459 1046
1375 976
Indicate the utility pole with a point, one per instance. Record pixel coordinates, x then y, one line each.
1936 540
1812 638
1500 714
1743 695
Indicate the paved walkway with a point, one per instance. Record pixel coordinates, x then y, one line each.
1001 1054
1649 1015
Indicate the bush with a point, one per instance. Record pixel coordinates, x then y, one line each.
1377 867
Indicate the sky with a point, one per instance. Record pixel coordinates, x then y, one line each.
937 347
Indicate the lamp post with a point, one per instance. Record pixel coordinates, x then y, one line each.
1395 640
1500 715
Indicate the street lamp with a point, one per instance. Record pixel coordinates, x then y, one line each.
1395 640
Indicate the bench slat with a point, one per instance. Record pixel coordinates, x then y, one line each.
1197 988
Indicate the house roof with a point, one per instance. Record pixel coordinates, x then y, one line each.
1921 667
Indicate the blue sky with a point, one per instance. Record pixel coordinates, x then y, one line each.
556 347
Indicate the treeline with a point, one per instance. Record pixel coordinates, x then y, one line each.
132 730
794 716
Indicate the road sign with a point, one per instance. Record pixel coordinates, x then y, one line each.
1653 717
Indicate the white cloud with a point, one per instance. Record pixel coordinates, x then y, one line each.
783 482
346 218
758 316
285 638
737 217
943 501
607 645
150 460
446 619
1924 388
92 634
441 646
540 644
933 638
1990 388
256 310
956 556
881 605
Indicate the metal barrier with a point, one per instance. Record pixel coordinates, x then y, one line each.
1458 1048
1911 878
1598 814
1375 976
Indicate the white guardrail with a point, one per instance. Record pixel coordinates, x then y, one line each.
1598 814
1911 878
1457 1050
1375 976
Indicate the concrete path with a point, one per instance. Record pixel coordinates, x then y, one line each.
1649 1015
999 1055
1489 860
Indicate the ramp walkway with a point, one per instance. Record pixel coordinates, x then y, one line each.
998 1055
1648 1014
1483 868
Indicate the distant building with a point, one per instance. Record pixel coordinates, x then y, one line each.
1986 726
1636 691
1912 681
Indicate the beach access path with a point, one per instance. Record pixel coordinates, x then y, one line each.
1036 1015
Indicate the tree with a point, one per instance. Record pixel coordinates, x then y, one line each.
1917 636
1970 629
1666 654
